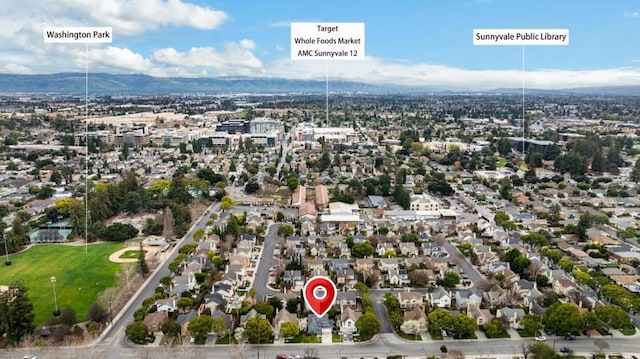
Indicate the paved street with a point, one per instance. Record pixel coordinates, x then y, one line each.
262 273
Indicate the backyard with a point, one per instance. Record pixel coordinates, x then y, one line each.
80 277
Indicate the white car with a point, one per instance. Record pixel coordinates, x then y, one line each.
541 338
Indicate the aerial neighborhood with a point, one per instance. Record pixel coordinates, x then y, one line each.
438 219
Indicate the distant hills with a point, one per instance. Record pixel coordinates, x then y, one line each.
114 84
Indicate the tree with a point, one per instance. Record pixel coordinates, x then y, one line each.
171 329
635 172
184 303
198 234
439 320
257 330
264 308
199 327
16 312
412 327
563 318
464 326
218 326
96 312
531 324
612 316
368 324
598 163
504 146
449 280
362 249
137 332
391 302
68 316
542 351
286 231
289 329
554 215
143 268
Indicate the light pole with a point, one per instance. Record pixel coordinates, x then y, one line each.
110 311
55 299
7 262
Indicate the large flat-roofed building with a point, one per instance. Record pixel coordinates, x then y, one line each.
260 125
536 145
423 202
233 126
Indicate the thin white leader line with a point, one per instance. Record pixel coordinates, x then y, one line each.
327 93
523 120
86 144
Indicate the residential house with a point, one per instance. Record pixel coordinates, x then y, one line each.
293 277
346 277
155 320
363 264
481 316
184 320
346 298
513 316
467 297
495 296
398 277
283 316
387 264
183 283
408 249
418 314
384 247
410 299
564 286
440 298
431 249
318 325
167 305
250 314
347 321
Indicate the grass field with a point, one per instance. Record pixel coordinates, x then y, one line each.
80 276
132 254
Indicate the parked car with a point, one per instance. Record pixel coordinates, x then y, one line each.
565 350
541 338
282 356
569 337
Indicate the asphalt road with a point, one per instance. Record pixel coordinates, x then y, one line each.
262 273
381 346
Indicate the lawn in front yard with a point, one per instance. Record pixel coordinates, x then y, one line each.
80 276
303 338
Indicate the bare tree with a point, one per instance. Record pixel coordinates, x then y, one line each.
127 275
526 349
168 223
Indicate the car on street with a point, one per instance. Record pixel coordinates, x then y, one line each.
565 350
569 337
281 356
541 338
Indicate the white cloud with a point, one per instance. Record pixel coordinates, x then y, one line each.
632 13
15 69
235 59
375 70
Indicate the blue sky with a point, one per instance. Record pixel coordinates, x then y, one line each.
407 42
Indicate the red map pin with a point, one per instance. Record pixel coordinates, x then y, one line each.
320 294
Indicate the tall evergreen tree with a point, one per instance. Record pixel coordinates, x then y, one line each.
635 172
16 312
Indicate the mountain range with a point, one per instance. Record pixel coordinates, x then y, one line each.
114 84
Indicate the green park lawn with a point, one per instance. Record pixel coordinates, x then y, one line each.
132 254
80 276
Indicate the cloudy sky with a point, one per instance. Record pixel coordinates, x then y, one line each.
412 42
